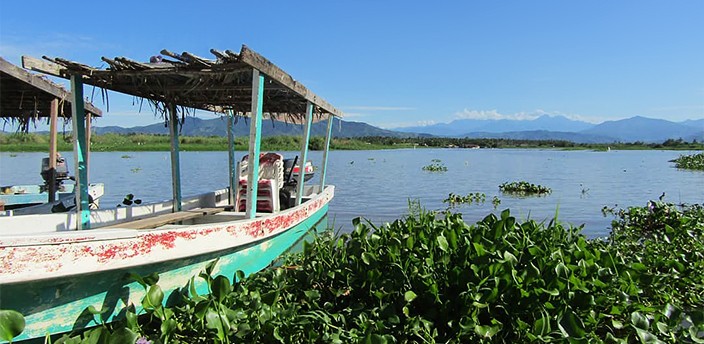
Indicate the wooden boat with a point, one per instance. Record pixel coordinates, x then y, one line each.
32 199
24 98
55 267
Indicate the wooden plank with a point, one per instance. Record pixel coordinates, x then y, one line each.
265 66
175 161
232 164
328 138
304 153
160 220
255 138
80 153
53 150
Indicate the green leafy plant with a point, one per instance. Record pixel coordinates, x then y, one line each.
432 277
11 324
473 197
436 165
523 188
690 162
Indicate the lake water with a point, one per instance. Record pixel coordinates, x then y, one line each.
378 184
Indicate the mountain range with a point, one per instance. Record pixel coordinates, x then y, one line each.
632 129
546 127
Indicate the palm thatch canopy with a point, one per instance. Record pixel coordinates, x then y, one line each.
26 97
222 85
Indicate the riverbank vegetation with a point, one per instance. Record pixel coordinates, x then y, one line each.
431 277
32 142
690 162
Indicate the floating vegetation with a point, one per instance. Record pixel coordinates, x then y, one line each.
495 201
523 188
432 277
690 162
473 197
129 200
126 156
136 170
435 166
13 155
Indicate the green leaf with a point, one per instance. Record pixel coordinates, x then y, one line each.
220 324
221 287
486 331
11 324
646 337
167 327
509 257
409 296
616 324
153 298
639 321
123 335
541 326
442 243
571 325
367 258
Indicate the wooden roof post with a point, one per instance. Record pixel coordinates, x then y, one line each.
255 138
304 152
175 161
53 148
231 155
89 120
80 154
328 138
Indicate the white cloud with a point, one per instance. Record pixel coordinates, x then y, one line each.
521 116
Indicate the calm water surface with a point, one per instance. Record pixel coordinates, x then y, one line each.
378 184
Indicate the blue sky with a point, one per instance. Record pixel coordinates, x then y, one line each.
403 63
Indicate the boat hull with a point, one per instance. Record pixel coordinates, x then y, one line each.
60 304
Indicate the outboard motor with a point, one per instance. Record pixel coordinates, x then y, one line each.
61 171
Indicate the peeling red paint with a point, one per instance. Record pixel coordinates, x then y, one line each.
62 254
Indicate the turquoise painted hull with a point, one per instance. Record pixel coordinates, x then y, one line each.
61 305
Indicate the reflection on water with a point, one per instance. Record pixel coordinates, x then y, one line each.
378 184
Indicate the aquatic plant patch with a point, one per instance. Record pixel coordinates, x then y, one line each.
435 166
454 200
690 162
523 188
431 277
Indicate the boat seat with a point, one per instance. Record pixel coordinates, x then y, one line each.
270 181
160 220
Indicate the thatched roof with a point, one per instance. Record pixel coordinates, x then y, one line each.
221 85
26 97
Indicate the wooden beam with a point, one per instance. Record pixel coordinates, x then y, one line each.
175 161
328 138
265 66
80 154
232 164
89 120
53 148
304 152
255 138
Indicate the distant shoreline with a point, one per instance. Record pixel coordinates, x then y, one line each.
20 142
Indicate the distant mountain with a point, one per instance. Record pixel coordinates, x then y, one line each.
543 135
695 123
462 126
645 130
194 126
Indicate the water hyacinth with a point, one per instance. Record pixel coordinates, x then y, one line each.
431 277
690 162
523 188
